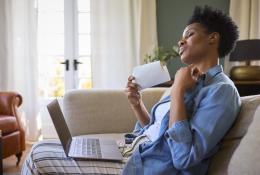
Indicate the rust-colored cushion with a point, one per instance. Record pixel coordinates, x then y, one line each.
8 124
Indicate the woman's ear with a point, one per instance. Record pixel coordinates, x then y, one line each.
214 38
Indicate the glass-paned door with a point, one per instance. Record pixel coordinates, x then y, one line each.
64 53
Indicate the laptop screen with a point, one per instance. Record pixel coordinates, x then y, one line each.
60 125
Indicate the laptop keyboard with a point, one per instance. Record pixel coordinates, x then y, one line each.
88 147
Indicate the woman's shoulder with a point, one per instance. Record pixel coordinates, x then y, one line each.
220 87
221 81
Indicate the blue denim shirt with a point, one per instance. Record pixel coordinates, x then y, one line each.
185 148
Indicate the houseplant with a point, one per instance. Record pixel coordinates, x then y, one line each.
162 55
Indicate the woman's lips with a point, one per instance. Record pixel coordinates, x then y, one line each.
182 49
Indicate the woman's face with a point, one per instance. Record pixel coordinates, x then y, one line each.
194 45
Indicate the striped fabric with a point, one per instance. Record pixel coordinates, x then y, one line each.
48 157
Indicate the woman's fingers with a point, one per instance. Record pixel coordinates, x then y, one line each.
131 84
130 89
130 78
132 94
195 72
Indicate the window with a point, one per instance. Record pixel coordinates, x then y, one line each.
64 46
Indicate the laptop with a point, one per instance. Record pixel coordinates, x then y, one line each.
82 147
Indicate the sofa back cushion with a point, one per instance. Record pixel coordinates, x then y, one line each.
246 157
100 111
220 161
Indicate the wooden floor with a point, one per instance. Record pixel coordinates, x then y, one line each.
9 164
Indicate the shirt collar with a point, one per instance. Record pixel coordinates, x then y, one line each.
207 76
212 72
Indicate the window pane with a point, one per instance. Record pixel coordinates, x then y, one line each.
51 75
51 22
84 23
51 44
85 83
50 66
50 5
57 87
84 45
85 67
84 5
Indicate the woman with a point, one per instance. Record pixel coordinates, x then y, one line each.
184 129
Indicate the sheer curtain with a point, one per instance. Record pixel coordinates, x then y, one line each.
246 15
123 31
18 57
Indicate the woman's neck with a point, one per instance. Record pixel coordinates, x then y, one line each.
206 64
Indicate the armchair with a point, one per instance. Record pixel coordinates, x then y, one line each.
13 134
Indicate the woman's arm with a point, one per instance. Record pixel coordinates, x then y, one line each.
135 100
191 141
184 79
141 114
177 110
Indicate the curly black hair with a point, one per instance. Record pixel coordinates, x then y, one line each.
214 20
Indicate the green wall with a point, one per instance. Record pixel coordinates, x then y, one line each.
172 16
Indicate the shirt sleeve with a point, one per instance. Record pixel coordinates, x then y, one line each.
191 141
138 128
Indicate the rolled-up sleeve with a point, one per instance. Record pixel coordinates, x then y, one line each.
191 140
180 132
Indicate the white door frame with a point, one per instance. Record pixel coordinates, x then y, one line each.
71 42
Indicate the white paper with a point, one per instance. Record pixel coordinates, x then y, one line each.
151 74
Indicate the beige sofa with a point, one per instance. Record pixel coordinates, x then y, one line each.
107 114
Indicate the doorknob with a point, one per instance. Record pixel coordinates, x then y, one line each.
75 64
67 64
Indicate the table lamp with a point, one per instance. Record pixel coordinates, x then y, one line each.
246 51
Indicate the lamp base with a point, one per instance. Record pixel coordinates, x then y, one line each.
245 73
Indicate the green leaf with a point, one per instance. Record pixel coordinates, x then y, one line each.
162 55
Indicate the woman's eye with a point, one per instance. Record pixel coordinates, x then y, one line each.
190 34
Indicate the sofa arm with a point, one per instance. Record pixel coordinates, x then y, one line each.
103 111
9 101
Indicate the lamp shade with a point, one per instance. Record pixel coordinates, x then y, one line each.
246 50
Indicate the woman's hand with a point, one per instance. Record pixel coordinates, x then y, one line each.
134 97
185 78
133 94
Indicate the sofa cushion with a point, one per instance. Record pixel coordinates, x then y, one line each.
246 158
103 111
8 124
166 93
220 161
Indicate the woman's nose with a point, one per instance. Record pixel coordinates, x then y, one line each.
181 42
